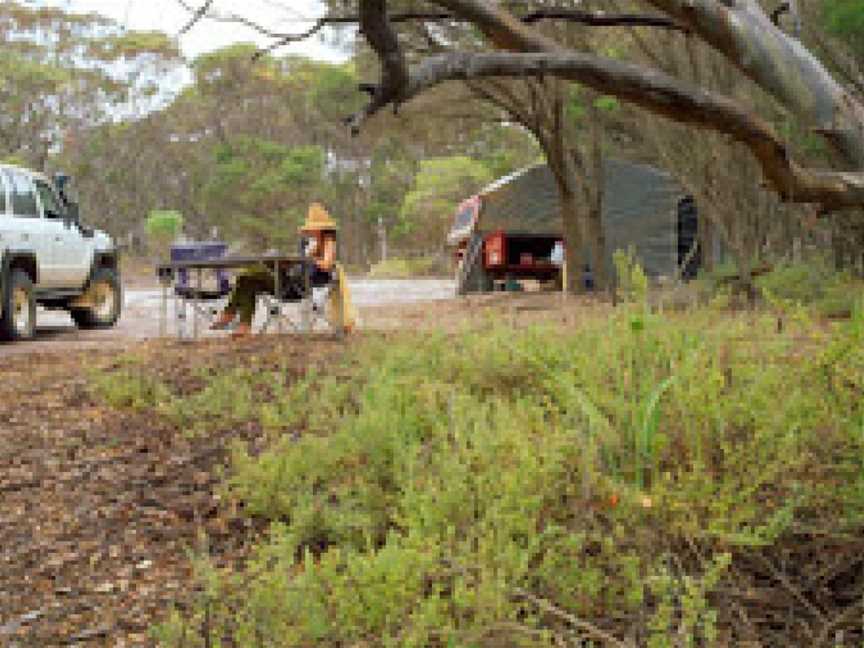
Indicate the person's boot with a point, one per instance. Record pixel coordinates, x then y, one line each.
223 321
243 329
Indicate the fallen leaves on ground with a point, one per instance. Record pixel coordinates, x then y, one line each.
100 507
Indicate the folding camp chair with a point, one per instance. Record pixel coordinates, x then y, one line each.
302 302
190 293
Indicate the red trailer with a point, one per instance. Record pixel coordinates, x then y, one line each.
487 258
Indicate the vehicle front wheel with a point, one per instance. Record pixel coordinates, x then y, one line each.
18 321
106 298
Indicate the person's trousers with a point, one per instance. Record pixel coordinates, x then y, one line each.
251 284
246 291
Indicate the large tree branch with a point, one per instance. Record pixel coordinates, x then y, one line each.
778 63
593 19
649 89
745 35
394 70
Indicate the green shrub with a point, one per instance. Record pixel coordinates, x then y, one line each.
632 280
815 284
162 227
130 388
232 397
449 474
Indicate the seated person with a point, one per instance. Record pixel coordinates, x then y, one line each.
320 232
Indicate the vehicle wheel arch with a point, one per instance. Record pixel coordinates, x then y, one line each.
21 260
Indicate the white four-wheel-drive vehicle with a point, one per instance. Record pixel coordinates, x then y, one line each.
49 258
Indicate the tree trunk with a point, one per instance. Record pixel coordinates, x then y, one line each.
594 221
706 236
574 242
597 243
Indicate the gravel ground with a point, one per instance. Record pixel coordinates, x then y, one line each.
142 307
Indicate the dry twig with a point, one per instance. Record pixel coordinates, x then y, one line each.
587 628
198 15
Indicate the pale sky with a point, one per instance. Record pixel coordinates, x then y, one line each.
169 16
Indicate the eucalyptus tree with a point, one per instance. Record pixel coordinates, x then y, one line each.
740 30
62 72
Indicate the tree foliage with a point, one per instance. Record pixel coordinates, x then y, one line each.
439 186
61 72
264 186
845 18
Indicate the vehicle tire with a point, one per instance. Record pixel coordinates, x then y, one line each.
108 295
19 308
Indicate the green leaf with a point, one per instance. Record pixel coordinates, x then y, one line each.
607 103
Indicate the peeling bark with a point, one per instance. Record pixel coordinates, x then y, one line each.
779 64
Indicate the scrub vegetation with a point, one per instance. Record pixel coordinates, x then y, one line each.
647 479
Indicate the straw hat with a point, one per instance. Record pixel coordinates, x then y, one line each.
318 220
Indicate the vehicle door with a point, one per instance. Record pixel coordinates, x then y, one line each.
71 253
25 226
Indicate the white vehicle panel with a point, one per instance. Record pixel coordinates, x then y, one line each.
34 220
23 226
76 255
71 254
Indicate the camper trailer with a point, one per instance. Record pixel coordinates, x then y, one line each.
512 230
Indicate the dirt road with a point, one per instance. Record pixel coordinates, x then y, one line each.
142 305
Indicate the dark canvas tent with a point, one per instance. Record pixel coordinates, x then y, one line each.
642 206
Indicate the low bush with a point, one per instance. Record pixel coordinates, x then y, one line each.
815 286
542 485
130 388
